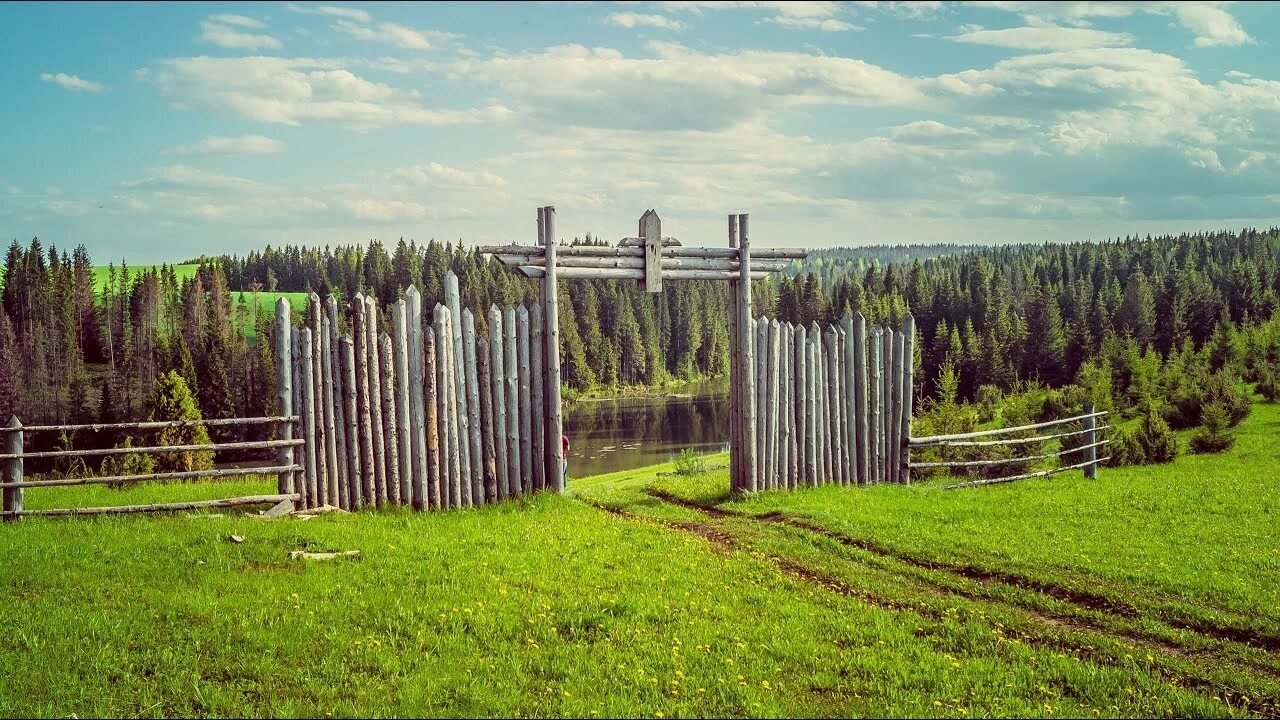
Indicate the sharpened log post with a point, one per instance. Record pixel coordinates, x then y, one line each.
831 374
850 400
651 233
13 470
861 411
762 403
431 426
390 429
1091 453
360 337
908 397
488 446
799 352
284 393
510 344
550 302
874 346
886 400
537 387
895 424
331 453
313 319
775 408
339 404
309 417
453 299
404 440
746 341
375 399
498 390
525 425
476 496
299 452
355 488
417 403
446 409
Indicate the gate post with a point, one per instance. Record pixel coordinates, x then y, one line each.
555 425
284 395
13 471
746 443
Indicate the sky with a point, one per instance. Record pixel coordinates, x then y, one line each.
158 132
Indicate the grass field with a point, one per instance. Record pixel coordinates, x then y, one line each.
1148 592
266 300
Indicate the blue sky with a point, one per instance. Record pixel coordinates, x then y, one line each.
156 132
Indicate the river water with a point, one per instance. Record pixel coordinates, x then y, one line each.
620 434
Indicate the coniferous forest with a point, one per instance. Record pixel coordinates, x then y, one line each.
1158 328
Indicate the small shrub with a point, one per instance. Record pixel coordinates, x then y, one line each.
127 464
988 398
1269 384
1195 391
1124 449
689 463
1159 444
1215 436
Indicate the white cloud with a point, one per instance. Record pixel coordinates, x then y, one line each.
1046 37
391 34
812 23
1213 26
53 191
242 145
221 30
291 91
634 20
238 21
71 82
332 10
384 210
436 174
796 14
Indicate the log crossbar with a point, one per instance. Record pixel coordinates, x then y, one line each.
157 507
942 439
1017 441
1042 473
258 445
186 475
153 425
1006 461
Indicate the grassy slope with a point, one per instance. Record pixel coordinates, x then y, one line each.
820 602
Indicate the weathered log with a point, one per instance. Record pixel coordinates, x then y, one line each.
489 447
498 380
452 299
551 359
390 429
375 400
431 424
537 394
339 403
166 507
355 487
360 336
154 477
515 471
523 380
404 441
476 496
284 393
908 398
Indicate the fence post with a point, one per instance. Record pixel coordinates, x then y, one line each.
514 468
327 395
762 404
472 393
895 420
431 425
375 398
361 349
284 393
1091 454
355 489
735 372
417 403
390 428
862 425
908 396
404 440
299 452
550 300
458 363
537 396
313 320
775 407
13 470
489 448
525 425
339 403
746 354
309 417
873 395
850 399
498 389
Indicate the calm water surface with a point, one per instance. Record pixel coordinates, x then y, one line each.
610 435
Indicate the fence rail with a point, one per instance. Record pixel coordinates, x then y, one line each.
1090 464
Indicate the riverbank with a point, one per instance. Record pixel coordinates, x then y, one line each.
673 388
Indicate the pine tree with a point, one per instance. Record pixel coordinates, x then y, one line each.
172 400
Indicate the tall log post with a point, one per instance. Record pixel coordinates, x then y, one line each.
861 410
300 452
550 301
309 416
339 403
537 385
886 401
417 401
515 470
284 393
787 408
1091 453
355 488
360 335
896 425
431 423
746 344
498 389
446 410
476 494
488 446
375 399
317 406
874 346
390 428
762 403
523 379
404 441
735 373
908 398
775 407
800 355
850 400
330 419
835 432
453 299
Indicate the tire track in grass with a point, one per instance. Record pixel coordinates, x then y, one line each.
1078 623
1081 651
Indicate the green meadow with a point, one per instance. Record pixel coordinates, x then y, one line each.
1146 592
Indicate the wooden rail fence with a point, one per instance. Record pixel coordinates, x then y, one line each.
13 457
